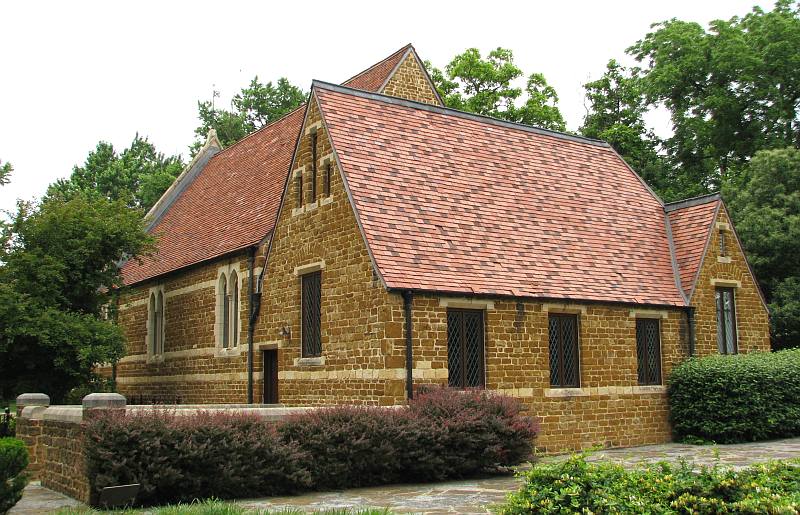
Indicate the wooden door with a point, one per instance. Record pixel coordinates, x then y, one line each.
270 376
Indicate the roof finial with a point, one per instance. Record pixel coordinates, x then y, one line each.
212 139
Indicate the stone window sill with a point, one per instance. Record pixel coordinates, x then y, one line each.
315 362
565 392
326 200
158 358
229 352
604 390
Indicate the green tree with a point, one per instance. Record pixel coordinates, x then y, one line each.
615 111
253 107
5 172
485 86
138 175
765 205
59 269
731 90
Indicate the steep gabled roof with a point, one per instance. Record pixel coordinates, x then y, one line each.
692 221
227 200
376 75
454 202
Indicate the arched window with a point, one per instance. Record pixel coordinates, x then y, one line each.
160 323
151 323
234 339
224 305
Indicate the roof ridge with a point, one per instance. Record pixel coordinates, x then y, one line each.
691 202
413 104
301 106
390 56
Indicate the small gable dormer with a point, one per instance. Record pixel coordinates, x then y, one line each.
400 75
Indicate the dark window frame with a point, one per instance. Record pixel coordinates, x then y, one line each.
646 375
326 186
722 339
311 315
299 188
314 166
561 380
459 316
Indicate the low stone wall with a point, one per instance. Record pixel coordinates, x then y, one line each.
54 435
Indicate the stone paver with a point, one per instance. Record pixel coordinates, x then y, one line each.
469 496
38 499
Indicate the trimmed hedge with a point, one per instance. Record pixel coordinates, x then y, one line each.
13 460
741 398
575 486
179 458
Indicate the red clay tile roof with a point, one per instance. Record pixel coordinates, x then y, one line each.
231 204
233 201
373 77
457 203
691 222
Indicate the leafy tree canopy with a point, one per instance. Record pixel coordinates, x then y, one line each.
138 175
731 90
5 172
765 205
252 108
485 86
59 265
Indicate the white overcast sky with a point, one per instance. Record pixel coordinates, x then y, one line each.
73 73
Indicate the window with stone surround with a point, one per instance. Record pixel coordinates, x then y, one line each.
299 188
726 320
723 244
648 351
234 308
228 292
311 314
564 357
326 183
155 322
313 167
465 348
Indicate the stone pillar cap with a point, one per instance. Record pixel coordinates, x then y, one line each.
33 399
104 400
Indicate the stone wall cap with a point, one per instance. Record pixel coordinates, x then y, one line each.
64 414
33 399
33 412
104 400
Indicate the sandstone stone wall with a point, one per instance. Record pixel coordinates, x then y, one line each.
64 459
30 432
358 363
608 409
752 318
194 368
410 82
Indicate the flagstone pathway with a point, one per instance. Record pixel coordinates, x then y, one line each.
468 496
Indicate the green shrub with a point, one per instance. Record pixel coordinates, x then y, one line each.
740 398
179 458
13 460
576 486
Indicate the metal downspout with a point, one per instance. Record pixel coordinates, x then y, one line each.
690 327
254 306
408 298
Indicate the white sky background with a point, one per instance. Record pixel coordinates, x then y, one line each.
73 73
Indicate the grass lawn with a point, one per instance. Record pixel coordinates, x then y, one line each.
216 508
